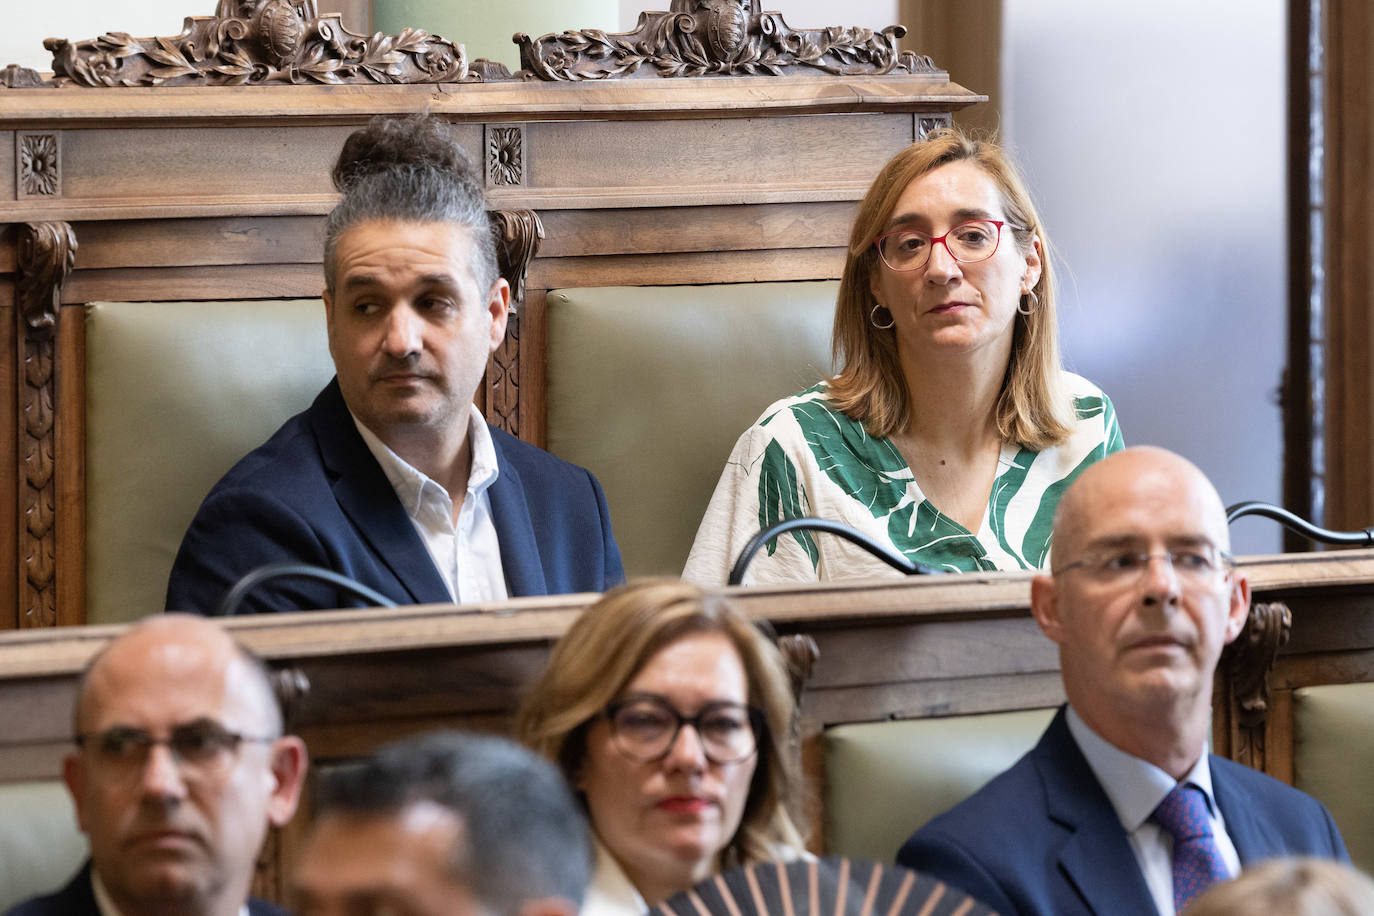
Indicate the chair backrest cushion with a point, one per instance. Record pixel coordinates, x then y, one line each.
176 392
1333 759
40 846
883 780
649 387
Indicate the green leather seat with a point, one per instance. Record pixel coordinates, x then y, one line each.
649 387
885 779
1333 759
40 847
176 392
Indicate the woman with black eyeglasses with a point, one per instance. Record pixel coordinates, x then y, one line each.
951 428
671 716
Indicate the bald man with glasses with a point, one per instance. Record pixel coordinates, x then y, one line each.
1120 809
180 768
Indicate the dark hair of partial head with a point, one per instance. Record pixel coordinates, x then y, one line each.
525 835
410 170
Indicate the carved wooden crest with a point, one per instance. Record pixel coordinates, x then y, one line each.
264 41
716 38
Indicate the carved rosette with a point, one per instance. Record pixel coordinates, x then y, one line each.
927 123
505 156
264 41
716 38
517 234
47 252
39 165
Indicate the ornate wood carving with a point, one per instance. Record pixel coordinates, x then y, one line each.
47 252
505 155
517 233
40 165
17 77
264 41
925 124
1247 664
1251 658
716 38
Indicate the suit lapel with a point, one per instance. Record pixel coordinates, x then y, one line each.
1253 836
366 497
1096 858
510 514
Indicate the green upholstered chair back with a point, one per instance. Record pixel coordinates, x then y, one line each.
1333 759
176 392
649 387
883 780
40 847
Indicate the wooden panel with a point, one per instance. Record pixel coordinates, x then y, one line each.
1349 233
703 267
9 456
248 281
9 173
112 164
71 467
195 242
814 150
794 225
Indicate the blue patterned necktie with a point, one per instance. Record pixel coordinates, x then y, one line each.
1197 858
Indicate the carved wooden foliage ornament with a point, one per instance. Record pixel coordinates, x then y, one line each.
517 234
262 41
716 38
47 253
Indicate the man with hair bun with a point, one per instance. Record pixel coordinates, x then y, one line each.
392 477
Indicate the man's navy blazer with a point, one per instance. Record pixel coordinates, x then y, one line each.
1042 838
78 899
314 493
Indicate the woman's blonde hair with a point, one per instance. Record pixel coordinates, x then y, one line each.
1033 409
612 640
1291 887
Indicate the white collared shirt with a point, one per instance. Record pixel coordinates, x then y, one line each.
107 907
467 554
1135 788
610 893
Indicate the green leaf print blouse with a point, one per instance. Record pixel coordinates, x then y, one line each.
804 457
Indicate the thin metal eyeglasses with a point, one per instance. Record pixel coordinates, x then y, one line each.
645 728
909 249
1190 564
201 748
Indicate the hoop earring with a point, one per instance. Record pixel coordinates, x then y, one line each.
873 318
1035 303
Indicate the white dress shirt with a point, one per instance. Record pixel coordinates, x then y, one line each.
1135 788
467 554
610 892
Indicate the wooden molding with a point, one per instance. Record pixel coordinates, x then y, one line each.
46 255
717 38
264 41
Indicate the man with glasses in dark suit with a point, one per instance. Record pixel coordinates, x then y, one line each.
1120 809
180 768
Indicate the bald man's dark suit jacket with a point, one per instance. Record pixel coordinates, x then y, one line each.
314 494
1042 838
78 899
